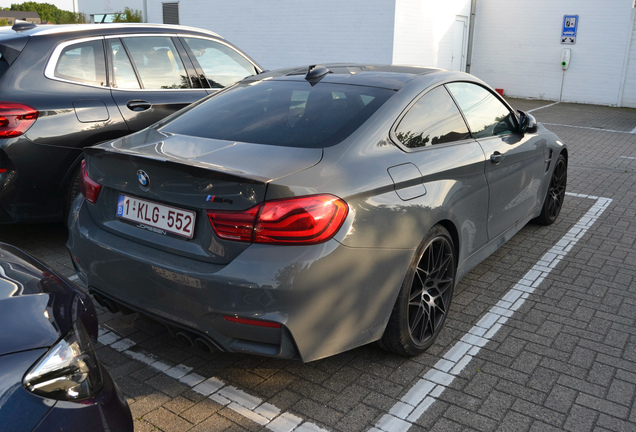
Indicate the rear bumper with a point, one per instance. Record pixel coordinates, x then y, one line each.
328 298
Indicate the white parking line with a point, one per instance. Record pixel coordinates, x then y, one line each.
628 157
423 394
426 391
235 399
544 106
633 131
590 128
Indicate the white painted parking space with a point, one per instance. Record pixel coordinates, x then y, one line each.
237 400
544 106
590 128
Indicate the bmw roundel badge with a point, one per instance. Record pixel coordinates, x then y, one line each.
143 178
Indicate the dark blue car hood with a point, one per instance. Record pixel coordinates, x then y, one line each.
37 307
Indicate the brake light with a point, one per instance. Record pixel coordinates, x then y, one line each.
15 119
89 187
293 221
232 225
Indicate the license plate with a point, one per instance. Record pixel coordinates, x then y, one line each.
156 217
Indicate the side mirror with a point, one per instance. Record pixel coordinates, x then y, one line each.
527 123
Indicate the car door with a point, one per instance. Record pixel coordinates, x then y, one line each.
149 78
217 63
451 165
515 162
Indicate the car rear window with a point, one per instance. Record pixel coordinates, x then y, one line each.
283 113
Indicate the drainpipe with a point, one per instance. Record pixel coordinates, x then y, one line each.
630 35
471 34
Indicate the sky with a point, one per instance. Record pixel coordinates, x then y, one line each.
61 4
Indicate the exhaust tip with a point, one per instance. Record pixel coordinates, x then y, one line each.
185 338
204 345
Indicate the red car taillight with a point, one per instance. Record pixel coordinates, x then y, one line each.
303 220
15 119
89 187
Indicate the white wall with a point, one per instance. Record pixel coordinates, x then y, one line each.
295 32
425 31
517 47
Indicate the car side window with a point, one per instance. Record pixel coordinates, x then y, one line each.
221 64
157 61
485 114
82 62
123 75
434 119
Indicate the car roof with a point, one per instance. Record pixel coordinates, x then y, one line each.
383 76
102 29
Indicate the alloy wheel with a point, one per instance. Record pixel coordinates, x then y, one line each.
431 291
556 191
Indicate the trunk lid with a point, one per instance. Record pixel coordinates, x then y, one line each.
188 174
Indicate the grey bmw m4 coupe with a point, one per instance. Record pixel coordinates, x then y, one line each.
308 211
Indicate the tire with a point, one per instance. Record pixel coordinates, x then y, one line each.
553 201
71 192
419 314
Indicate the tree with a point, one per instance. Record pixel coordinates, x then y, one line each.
66 17
50 13
46 11
128 15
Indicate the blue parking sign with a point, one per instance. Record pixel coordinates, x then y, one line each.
568 33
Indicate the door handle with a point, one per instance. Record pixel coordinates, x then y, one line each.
496 158
138 105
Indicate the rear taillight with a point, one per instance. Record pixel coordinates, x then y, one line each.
303 220
89 187
232 225
15 119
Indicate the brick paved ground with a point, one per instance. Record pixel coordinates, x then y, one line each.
566 359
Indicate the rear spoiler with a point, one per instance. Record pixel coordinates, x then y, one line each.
12 46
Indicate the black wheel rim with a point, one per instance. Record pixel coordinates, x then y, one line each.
556 192
431 291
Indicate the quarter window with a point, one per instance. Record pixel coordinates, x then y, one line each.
157 62
221 65
485 114
434 119
82 62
